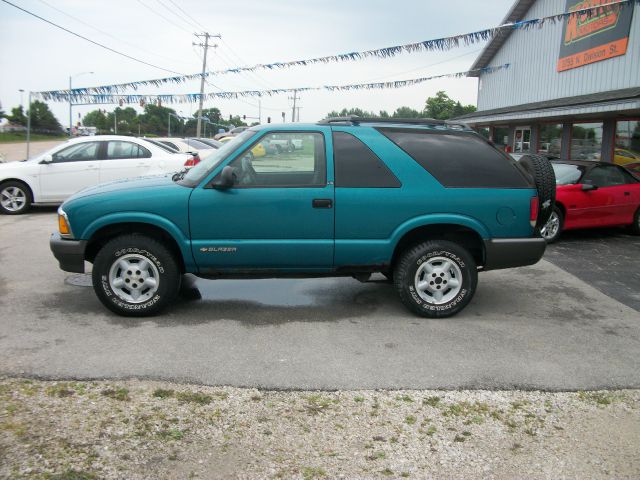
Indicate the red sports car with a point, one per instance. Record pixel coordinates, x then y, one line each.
593 194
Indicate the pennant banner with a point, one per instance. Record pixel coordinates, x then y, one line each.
438 44
105 98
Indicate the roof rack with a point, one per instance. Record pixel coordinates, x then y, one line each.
356 120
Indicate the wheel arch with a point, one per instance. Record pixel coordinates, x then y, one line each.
21 180
463 235
104 233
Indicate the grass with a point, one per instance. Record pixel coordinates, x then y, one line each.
163 393
309 473
317 403
431 401
194 397
70 475
171 434
599 398
120 393
10 137
410 420
404 398
61 390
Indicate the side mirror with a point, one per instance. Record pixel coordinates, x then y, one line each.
226 179
46 159
586 187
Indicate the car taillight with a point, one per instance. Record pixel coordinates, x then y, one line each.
533 217
193 161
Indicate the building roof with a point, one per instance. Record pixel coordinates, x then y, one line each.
601 97
517 12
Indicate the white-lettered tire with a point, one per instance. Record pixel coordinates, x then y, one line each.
135 276
635 226
15 198
436 279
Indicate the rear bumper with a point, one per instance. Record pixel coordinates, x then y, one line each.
513 252
69 253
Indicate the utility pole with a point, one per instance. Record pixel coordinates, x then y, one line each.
205 46
293 112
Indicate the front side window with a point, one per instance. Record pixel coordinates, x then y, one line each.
605 176
123 150
81 152
283 159
586 141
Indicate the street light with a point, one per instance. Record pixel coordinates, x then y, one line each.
70 104
21 95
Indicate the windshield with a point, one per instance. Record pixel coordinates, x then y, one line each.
161 145
202 169
567 174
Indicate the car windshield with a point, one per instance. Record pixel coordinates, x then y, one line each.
161 145
197 144
202 169
567 174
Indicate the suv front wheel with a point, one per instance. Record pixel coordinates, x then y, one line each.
135 276
436 279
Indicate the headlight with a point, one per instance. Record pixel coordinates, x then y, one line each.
63 224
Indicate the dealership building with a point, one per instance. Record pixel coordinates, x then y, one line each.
572 88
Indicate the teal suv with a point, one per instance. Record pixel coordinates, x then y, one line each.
426 203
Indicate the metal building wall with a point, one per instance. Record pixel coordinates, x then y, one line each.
533 56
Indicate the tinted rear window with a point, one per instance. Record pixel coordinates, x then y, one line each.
357 166
458 160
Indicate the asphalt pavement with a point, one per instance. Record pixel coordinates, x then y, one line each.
538 327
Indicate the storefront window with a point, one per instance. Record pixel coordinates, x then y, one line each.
501 137
586 141
522 140
550 139
484 131
627 146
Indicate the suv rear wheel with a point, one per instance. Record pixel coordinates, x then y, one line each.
136 276
436 279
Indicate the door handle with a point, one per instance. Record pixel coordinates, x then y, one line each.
626 194
92 167
143 165
322 203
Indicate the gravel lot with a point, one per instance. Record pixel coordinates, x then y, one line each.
10 152
149 430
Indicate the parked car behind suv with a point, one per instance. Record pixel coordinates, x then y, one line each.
52 177
427 203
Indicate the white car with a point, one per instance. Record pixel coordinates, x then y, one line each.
184 145
52 177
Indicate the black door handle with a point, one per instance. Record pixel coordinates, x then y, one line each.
626 194
322 203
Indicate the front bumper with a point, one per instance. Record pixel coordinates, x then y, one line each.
69 253
513 252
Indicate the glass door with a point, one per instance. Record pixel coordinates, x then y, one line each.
522 140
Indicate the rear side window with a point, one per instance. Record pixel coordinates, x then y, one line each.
121 150
356 166
458 160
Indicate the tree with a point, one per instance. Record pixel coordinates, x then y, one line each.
17 116
406 112
442 107
42 118
96 118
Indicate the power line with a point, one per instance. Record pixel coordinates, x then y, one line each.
168 20
173 12
91 41
195 22
108 34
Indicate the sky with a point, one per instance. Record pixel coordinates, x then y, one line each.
35 56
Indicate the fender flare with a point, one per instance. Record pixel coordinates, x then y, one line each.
435 219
